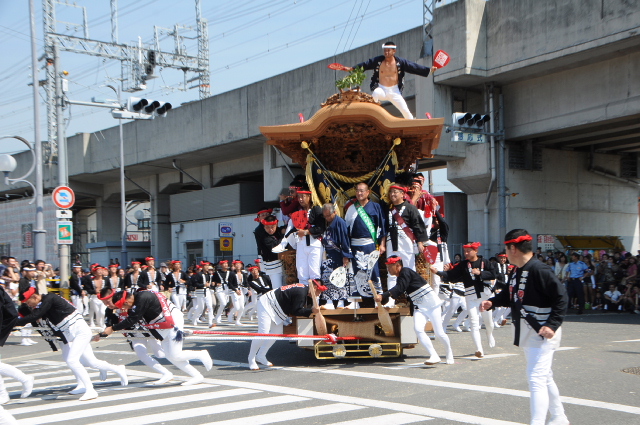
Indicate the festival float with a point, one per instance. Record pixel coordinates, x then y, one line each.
351 139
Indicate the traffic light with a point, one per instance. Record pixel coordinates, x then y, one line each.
142 109
469 120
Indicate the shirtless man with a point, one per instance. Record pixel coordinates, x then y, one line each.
387 80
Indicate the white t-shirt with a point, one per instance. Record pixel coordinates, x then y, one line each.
615 295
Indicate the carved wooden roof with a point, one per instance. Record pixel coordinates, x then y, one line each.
351 134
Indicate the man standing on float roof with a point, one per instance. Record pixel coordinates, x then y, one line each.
387 80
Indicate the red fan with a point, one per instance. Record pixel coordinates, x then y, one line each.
300 219
441 59
338 67
430 253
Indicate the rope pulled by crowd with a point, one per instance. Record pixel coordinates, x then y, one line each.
225 336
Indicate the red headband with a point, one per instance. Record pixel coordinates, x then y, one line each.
502 255
114 265
203 263
28 293
474 246
149 258
122 300
176 262
257 260
319 285
305 192
268 223
393 260
223 261
519 239
253 267
236 262
135 262
106 297
403 189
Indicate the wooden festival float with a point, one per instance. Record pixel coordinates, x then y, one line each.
352 138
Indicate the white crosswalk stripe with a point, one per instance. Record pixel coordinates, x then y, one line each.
213 402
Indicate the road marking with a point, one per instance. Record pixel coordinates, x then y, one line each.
139 405
74 403
290 415
202 411
566 348
336 398
495 390
628 340
488 356
393 418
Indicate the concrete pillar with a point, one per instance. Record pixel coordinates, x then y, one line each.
160 224
107 220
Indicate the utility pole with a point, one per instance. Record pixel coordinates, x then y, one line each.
40 234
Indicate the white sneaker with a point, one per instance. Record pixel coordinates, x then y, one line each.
27 387
32 342
25 342
89 395
559 420
457 328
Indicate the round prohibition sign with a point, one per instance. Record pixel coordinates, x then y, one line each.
63 197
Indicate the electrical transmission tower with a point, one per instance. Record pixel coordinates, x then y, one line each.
428 6
138 61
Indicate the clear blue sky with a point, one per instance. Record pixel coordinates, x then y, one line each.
249 40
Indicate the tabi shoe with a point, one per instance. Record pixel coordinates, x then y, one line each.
559 420
450 359
253 365
122 372
239 324
27 387
264 361
193 381
496 325
164 379
32 342
89 395
206 360
479 354
504 322
25 342
103 374
77 390
213 325
457 328
432 360
492 342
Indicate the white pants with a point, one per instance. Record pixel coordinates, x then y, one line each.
308 260
251 305
238 306
96 308
454 303
266 325
13 372
544 391
201 302
501 313
142 347
173 349
223 300
76 300
393 95
473 308
78 354
420 317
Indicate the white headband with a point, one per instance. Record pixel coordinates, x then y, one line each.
388 47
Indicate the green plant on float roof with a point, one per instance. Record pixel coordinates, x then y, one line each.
354 79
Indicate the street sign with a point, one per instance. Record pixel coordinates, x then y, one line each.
63 197
225 229
461 136
65 232
226 244
64 214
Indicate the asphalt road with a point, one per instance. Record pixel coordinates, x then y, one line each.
589 371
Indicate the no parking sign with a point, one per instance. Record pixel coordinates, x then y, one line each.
226 244
63 197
